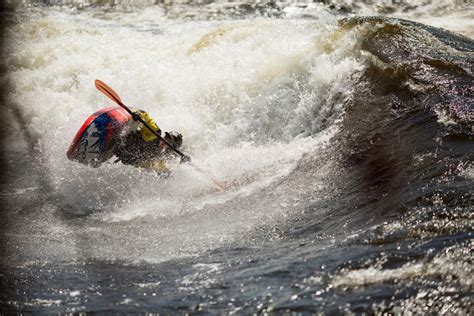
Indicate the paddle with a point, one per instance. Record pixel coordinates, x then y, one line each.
108 91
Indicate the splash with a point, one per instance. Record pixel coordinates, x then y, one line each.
251 98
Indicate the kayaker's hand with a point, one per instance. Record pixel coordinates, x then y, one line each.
185 158
136 116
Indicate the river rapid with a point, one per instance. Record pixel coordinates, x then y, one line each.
342 130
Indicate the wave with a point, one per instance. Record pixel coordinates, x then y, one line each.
346 142
382 82
248 120
406 136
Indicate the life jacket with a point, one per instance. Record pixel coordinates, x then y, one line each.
145 133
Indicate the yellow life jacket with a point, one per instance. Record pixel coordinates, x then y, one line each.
146 134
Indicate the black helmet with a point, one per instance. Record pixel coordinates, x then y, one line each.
174 138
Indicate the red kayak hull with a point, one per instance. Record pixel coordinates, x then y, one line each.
95 140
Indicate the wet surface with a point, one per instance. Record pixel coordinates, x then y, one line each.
368 208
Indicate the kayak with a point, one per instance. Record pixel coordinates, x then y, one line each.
95 140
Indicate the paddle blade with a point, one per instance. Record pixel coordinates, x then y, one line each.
108 91
217 183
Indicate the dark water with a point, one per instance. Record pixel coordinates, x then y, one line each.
383 221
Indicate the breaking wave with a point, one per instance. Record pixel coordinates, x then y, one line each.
345 143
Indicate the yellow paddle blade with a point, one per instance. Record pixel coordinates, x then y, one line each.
108 91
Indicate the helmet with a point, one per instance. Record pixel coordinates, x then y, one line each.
174 138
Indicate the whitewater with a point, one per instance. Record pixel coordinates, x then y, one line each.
342 132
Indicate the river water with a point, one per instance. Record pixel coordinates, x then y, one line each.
342 130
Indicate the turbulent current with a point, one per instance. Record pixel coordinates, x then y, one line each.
341 130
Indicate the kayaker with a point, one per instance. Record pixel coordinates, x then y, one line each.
139 147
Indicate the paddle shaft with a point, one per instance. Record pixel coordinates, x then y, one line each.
108 91
111 94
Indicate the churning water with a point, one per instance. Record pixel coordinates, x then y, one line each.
345 144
